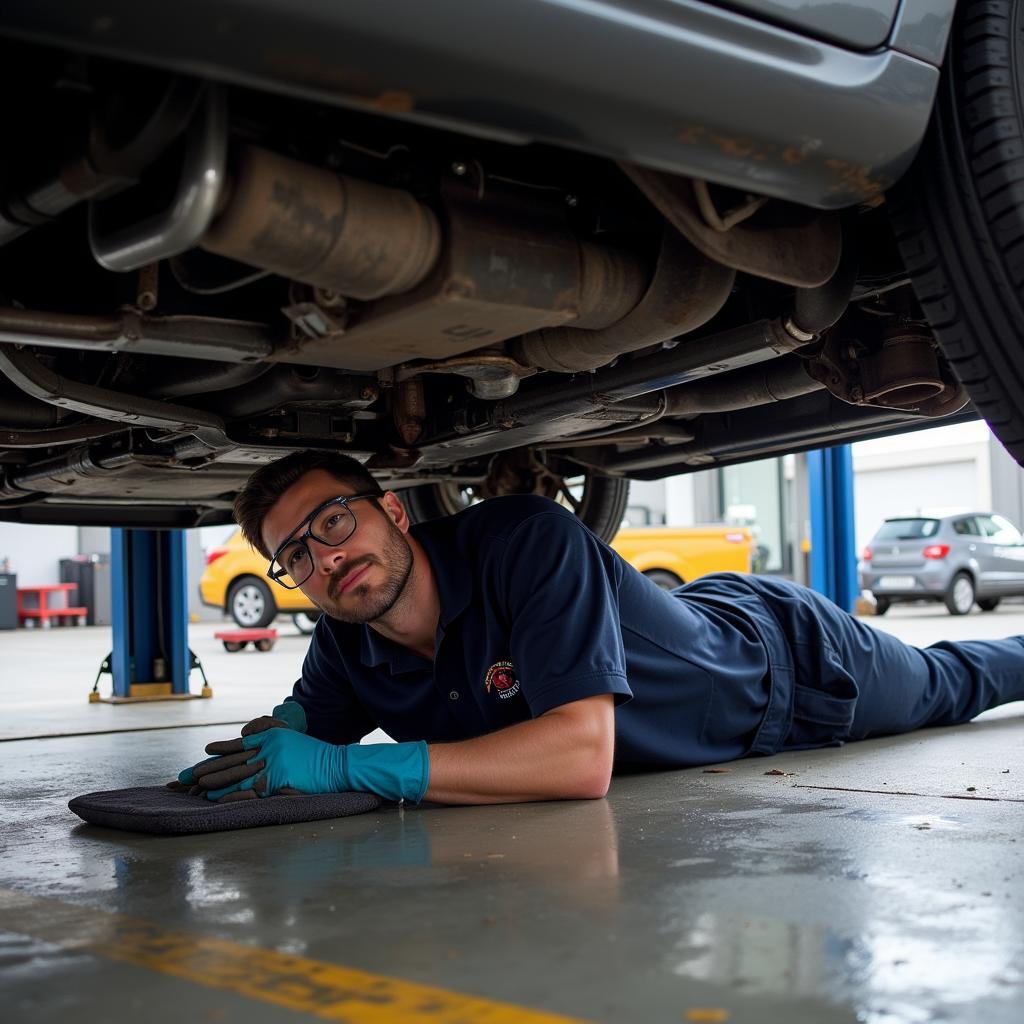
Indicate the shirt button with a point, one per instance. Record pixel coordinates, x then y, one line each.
454 695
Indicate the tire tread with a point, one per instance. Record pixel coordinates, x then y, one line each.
959 218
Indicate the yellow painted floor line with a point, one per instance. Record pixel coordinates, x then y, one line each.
323 990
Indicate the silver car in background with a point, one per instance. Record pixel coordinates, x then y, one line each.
960 559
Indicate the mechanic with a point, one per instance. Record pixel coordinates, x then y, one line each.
514 656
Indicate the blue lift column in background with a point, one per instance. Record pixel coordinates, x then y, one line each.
150 659
833 543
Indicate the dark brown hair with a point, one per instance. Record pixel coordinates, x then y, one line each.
269 482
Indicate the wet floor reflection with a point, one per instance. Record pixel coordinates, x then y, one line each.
746 899
873 914
894 969
864 919
298 884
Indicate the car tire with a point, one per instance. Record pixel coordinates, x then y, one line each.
600 507
882 605
664 579
305 622
959 215
251 604
988 604
959 597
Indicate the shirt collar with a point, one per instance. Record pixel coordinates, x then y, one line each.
377 650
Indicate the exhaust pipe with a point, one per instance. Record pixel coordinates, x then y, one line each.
687 290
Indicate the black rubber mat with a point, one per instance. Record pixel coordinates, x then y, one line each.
161 811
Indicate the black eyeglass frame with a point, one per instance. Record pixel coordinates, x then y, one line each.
342 500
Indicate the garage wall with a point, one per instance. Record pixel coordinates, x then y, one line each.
646 498
911 490
937 472
35 551
680 500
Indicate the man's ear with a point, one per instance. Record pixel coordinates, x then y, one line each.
395 510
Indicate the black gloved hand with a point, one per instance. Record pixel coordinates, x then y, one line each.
231 765
227 766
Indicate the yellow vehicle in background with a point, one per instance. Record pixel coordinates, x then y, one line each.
671 556
235 579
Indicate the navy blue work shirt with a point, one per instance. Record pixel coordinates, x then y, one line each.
536 612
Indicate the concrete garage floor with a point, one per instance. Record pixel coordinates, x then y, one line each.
880 883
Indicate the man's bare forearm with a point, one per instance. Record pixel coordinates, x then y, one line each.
565 754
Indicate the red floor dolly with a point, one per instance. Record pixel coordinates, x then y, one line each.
236 639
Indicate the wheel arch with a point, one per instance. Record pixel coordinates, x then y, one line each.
232 583
241 579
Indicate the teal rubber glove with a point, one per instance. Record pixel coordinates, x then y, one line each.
293 761
288 715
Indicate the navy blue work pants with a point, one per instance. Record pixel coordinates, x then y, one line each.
835 679
849 681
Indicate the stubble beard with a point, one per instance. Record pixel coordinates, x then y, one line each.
373 602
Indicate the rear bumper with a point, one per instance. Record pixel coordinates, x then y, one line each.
211 596
927 582
905 595
690 89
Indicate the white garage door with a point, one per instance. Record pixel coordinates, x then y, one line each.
881 493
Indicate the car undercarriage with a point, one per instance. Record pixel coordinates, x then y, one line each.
197 277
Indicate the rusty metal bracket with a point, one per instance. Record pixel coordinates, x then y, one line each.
803 255
492 376
906 373
395 457
409 408
727 220
902 373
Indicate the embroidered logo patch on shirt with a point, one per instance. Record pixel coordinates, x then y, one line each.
501 677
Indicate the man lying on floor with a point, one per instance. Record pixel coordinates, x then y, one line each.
515 657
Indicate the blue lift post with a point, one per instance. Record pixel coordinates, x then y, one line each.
833 543
150 659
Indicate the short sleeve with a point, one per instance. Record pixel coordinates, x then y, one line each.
560 590
333 712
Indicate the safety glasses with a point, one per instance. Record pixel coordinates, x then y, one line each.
330 524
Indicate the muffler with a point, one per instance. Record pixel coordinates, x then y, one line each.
347 236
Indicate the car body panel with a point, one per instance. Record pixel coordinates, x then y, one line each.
686 552
918 28
683 86
1001 550
237 561
859 24
922 29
